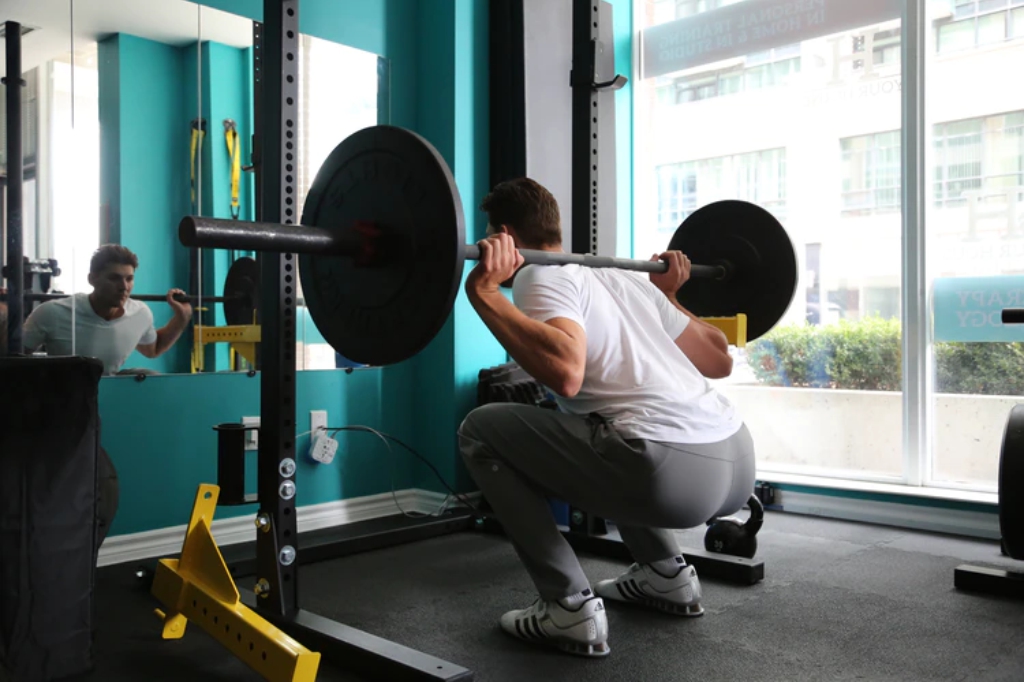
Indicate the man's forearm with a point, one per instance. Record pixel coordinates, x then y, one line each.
540 349
169 334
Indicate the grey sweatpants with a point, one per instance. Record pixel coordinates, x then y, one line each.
521 456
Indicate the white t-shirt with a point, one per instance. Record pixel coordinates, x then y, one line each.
112 341
635 377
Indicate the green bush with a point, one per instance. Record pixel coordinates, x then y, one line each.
866 356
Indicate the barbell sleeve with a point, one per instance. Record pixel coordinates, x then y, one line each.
219 233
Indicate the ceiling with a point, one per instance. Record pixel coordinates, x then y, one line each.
175 22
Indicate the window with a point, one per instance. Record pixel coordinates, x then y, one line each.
827 147
768 69
871 173
975 160
974 23
978 159
819 148
758 177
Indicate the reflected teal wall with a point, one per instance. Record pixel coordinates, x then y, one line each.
159 432
144 188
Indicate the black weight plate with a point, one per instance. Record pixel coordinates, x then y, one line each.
242 291
395 179
764 276
1011 484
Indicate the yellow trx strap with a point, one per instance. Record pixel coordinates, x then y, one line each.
235 151
198 126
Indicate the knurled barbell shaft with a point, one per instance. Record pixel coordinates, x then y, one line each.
220 233
138 297
533 257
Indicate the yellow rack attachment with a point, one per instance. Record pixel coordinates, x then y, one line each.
735 328
243 340
199 587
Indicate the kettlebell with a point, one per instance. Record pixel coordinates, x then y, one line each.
730 535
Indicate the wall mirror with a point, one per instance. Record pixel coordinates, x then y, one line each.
141 113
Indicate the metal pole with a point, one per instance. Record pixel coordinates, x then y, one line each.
916 342
585 146
15 270
276 549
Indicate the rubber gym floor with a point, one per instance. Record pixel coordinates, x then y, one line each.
840 601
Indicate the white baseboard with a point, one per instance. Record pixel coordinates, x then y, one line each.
167 541
927 518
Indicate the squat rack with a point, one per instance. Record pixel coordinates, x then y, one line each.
277 557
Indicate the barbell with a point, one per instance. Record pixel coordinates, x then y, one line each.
382 249
240 299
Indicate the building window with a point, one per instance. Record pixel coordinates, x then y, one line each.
979 158
980 22
758 177
871 173
759 70
976 158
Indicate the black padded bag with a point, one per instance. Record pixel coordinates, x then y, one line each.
49 440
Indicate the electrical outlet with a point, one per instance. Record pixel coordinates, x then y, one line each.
317 421
252 438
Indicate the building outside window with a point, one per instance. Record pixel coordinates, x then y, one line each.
820 145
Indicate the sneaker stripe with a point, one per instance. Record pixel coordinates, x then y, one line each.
536 627
637 592
519 629
623 591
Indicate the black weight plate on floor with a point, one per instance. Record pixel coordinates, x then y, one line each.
1011 484
242 291
395 179
763 283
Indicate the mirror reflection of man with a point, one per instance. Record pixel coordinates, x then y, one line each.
108 324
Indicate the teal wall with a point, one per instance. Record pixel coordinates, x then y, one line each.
160 436
145 156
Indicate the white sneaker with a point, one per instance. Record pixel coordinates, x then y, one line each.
582 631
641 584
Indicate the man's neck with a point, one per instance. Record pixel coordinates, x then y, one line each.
104 311
556 248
